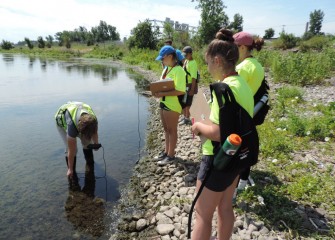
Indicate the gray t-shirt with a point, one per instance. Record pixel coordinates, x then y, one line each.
71 127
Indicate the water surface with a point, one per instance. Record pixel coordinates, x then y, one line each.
33 184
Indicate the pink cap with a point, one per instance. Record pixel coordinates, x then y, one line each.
243 38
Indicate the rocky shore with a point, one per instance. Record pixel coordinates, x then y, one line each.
157 202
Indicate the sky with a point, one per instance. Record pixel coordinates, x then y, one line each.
34 18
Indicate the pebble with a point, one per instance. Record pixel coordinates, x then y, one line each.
171 190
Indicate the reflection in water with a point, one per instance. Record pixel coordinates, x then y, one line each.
31 61
84 211
141 82
8 59
106 73
43 65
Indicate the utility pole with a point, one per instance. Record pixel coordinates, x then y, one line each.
306 29
283 30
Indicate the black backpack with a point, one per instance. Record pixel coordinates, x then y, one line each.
235 119
262 96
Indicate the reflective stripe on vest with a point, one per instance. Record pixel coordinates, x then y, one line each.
75 109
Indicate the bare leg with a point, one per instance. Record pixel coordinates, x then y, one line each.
165 130
226 216
171 121
187 112
205 207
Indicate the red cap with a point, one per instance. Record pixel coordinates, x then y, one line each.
243 38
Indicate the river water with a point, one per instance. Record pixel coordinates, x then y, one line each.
35 201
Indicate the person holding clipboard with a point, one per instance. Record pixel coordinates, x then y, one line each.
170 107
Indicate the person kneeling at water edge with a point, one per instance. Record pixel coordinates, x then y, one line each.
77 119
170 107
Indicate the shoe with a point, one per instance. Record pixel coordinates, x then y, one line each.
251 181
242 184
181 119
166 160
160 156
186 121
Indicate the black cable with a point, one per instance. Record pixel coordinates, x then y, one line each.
138 128
194 202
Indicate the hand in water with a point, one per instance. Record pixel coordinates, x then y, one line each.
69 173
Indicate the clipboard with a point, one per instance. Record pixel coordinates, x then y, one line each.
162 86
200 110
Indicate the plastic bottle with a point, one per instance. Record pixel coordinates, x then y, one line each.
261 103
227 151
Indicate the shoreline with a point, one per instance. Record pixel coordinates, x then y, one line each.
157 200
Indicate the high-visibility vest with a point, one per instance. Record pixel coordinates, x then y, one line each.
75 109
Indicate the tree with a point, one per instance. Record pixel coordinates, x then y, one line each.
6 45
105 32
29 43
315 22
143 36
49 40
168 30
213 18
237 24
269 33
40 42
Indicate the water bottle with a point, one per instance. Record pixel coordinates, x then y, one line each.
227 151
261 103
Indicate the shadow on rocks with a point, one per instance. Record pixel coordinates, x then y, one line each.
279 212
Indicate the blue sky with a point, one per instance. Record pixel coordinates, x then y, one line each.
33 18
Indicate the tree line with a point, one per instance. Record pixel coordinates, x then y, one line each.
145 35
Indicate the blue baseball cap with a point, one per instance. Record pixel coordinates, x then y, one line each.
166 50
180 55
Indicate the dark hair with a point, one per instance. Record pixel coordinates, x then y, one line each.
169 42
256 44
87 125
174 55
224 46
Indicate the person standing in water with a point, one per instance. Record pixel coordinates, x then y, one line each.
77 119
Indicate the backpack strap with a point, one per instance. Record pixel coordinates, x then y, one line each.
222 90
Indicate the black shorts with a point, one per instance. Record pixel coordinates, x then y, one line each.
164 107
189 101
218 181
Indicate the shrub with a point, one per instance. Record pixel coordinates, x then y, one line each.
315 43
285 41
302 68
6 45
297 126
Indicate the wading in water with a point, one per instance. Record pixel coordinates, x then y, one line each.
77 119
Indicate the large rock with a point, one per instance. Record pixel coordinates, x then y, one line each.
141 224
164 229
